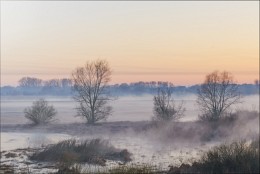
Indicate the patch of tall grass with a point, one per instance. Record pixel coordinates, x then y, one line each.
95 151
237 157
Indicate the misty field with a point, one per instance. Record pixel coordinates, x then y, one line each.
126 108
129 127
124 87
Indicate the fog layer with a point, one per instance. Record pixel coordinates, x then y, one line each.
127 108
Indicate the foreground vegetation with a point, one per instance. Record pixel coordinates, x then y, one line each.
70 157
127 169
237 157
94 151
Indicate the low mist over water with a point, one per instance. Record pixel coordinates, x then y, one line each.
127 108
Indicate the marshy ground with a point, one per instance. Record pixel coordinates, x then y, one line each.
164 146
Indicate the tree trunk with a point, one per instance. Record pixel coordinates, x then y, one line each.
92 116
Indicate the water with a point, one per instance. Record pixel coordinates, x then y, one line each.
127 108
11 141
143 151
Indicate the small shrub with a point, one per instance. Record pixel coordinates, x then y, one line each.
237 157
40 112
94 151
165 108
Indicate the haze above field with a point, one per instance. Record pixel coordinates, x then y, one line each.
171 41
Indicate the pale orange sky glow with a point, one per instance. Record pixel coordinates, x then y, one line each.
172 41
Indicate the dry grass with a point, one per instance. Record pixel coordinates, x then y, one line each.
94 151
237 157
123 169
134 169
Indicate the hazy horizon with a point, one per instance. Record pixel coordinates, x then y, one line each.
186 85
173 41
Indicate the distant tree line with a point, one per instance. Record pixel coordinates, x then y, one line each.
31 82
63 87
35 86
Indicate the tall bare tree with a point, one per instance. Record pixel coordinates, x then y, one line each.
165 108
90 84
217 94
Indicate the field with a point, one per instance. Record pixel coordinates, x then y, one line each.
130 127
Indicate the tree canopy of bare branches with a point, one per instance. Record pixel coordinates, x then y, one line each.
165 108
30 82
40 112
90 84
216 95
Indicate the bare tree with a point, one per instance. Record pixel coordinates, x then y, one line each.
165 108
53 83
66 82
30 82
216 95
90 84
40 112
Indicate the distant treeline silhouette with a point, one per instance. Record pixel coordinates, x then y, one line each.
64 87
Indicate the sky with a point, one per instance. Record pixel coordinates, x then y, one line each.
172 41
